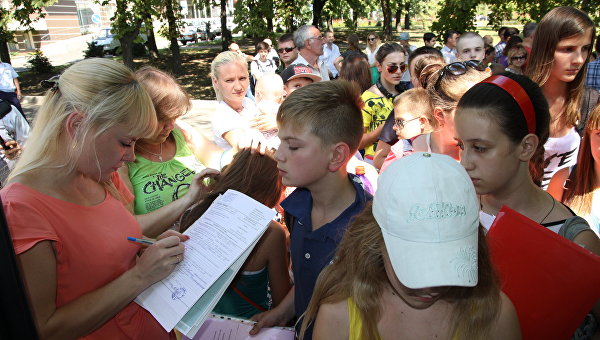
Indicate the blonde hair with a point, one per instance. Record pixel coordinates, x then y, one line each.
169 98
450 88
558 24
220 60
515 50
358 272
106 93
418 101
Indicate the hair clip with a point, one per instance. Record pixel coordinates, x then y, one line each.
51 83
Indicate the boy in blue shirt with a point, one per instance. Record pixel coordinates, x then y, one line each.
320 127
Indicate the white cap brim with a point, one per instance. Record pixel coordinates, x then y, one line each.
433 264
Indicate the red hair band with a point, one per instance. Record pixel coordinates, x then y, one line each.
519 95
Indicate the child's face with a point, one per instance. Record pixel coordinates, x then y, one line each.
570 56
262 54
294 84
301 158
407 125
490 158
470 49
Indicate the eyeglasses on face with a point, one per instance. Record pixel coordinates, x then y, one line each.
394 68
320 38
459 68
400 124
285 49
518 57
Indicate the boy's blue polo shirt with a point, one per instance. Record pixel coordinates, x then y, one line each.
312 250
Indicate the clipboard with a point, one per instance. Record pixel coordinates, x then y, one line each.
222 327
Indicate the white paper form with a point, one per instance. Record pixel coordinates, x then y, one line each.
218 238
195 317
219 327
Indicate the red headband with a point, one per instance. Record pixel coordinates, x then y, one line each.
519 95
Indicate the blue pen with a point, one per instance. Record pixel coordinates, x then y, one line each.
140 240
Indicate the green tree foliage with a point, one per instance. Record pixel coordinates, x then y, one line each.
535 10
127 23
25 12
455 15
252 17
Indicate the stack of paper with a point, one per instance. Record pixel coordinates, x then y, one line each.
221 327
220 241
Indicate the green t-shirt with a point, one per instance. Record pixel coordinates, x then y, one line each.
375 112
156 184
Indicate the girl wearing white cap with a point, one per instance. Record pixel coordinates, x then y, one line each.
415 264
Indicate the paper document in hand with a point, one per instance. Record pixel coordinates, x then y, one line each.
232 224
225 328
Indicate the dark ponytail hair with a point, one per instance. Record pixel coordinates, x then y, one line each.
387 49
499 106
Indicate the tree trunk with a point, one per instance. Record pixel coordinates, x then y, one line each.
225 33
330 24
174 47
317 10
4 54
387 19
407 16
398 16
127 47
289 20
151 43
354 20
269 16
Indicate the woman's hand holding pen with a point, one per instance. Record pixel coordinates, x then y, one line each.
159 259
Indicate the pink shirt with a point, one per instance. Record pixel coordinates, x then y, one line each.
91 249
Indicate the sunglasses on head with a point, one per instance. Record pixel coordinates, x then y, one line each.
285 49
520 57
400 123
459 68
394 68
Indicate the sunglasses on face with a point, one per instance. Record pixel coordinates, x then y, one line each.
371 39
520 57
285 49
459 68
394 68
400 124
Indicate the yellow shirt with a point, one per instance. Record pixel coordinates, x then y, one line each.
375 112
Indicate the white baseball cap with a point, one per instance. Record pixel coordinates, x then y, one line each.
428 212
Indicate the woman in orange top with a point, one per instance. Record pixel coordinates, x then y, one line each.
64 203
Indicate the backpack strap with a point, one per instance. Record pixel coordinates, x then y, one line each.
590 98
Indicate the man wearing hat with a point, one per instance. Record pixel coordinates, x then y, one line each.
296 76
404 38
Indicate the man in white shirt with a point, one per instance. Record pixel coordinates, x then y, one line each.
449 49
10 89
309 41
330 52
404 42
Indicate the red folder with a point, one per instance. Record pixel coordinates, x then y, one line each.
552 282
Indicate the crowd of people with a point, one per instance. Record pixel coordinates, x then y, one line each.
387 166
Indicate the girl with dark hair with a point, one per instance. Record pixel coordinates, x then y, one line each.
379 98
356 68
394 276
579 186
501 126
265 272
559 56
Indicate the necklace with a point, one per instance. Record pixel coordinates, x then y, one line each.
548 214
384 91
543 219
157 155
